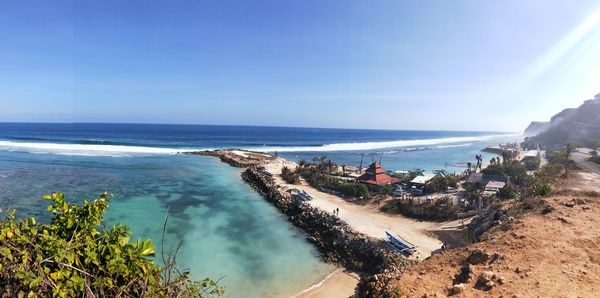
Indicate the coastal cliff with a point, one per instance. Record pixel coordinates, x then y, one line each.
580 124
536 128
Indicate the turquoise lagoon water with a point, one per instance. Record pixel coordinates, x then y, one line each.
228 230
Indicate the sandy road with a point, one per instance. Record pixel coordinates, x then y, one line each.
368 219
580 158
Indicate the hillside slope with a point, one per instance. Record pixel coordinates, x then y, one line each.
544 254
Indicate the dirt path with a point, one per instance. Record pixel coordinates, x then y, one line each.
580 158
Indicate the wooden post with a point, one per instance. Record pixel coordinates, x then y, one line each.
361 164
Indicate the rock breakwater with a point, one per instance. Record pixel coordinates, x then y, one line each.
334 238
235 158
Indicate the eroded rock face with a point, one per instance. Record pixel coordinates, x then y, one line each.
483 222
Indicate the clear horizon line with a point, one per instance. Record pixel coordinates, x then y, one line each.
254 125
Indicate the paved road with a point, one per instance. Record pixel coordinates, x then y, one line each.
580 157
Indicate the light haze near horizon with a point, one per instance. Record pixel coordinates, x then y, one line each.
451 65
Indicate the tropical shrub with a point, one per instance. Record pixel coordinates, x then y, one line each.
71 257
290 176
542 189
508 192
387 189
441 183
533 163
512 168
441 210
351 189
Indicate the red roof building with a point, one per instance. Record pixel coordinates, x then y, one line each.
375 175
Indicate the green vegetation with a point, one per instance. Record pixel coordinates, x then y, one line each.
405 177
540 184
512 168
508 192
533 163
290 176
441 183
321 174
357 190
439 210
595 158
71 257
542 189
387 189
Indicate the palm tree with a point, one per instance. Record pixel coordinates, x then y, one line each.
301 163
479 161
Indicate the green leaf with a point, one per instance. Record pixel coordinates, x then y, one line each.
147 248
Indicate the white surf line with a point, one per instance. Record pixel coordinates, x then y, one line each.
379 145
319 284
86 149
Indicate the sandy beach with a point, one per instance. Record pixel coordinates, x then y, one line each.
366 219
339 284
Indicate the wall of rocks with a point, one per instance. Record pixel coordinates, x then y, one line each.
334 238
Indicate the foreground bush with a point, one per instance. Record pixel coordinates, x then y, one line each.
70 257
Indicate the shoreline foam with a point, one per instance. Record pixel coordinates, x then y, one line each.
337 284
123 150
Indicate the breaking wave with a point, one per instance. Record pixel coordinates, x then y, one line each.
86 149
96 148
382 145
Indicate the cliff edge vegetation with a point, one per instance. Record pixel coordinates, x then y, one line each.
72 257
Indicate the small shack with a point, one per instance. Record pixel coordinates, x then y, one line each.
423 177
493 188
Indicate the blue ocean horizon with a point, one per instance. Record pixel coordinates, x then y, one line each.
227 229
345 146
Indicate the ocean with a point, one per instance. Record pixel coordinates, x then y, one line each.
228 230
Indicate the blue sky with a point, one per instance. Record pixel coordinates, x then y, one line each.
455 65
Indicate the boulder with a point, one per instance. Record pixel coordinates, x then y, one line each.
464 275
485 281
478 256
547 209
457 289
